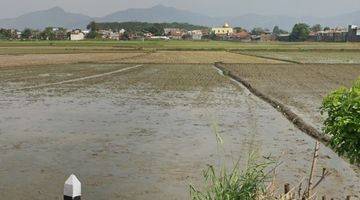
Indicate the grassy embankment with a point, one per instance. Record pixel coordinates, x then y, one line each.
13 47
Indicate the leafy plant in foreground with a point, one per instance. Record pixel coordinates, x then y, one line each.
233 184
343 121
224 185
253 183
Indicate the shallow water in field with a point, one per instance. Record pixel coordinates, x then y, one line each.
146 134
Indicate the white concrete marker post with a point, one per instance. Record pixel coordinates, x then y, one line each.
72 188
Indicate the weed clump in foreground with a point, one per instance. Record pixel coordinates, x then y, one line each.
253 183
247 185
234 184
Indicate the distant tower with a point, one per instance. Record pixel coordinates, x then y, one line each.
226 25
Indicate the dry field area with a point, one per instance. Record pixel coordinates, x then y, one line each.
170 57
14 50
325 57
144 133
197 57
48 59
301 87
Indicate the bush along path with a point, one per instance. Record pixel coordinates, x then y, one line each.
342 108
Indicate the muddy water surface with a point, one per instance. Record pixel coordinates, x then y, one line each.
145 134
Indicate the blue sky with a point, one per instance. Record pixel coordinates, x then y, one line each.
12 8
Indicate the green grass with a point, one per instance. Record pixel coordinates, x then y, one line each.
250 184
235 184
188 45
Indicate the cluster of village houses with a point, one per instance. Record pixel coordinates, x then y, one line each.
350 34
169 34
225 32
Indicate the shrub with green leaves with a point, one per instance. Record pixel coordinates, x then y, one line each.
343 121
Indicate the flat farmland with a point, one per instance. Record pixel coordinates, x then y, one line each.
48 59
136 119
300 87
327 57
196 57
22 77
169 57
182 45
144 133
21 50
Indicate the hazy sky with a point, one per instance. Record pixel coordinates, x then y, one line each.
12 8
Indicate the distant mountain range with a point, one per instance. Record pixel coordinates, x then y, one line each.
57 17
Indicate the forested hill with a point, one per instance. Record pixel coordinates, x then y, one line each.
136 27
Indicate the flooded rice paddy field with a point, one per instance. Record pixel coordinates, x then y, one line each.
141 133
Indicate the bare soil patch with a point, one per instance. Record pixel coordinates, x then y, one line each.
20 50
325 57
48 59
197 57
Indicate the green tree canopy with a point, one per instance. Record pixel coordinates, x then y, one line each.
5 34
93 27
212 36
316 28
47 34
343 121
300 32
26 34
257 31
278 31
239 29
155 29
145 27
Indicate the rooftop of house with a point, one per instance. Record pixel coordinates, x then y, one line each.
353 26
